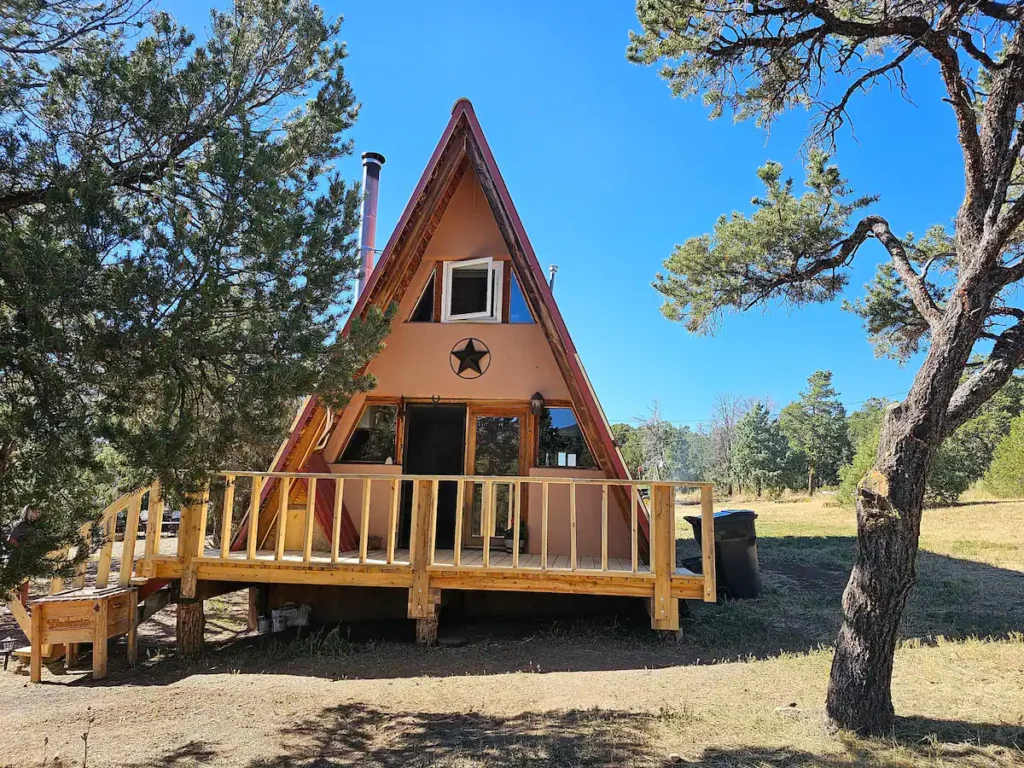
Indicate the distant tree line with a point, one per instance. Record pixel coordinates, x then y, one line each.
750 446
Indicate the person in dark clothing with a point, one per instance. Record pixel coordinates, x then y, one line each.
18 533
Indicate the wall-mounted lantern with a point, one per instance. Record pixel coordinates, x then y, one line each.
537 404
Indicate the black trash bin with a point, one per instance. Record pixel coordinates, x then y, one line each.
736 567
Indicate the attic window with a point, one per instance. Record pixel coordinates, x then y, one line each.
424 312
472 291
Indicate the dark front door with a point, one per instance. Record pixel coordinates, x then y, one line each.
435 444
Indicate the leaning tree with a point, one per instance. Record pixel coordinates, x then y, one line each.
947 294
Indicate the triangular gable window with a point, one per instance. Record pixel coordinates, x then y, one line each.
424 312
518 309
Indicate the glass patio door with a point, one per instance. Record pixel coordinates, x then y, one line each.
496 448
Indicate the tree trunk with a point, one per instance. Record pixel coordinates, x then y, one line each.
810 481
190 626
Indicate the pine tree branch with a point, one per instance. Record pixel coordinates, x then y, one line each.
1007 355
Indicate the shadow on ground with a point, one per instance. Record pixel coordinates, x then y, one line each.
353 734
804 578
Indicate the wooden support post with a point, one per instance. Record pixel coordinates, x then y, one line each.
190 620
435 485
254 517
665 608
423 600
133 627
70 655
226 513
707 544
35 641
396 495
131 535
99 641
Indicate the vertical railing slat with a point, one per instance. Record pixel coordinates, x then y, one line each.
254 517
544 525
364 521
516 518
604 527
396 495
225 517
106 551
433 520
339 508
486 494
154 519
307 527
284 489
634 502
131 533
572 526
204 516
460 502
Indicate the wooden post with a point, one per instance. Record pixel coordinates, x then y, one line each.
486 496
35 641
423 600
106 552
254 517
435 486
99 641
707 544
133 627
665 608
225 517
191 620
131 534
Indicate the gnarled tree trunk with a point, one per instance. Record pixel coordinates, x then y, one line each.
889 504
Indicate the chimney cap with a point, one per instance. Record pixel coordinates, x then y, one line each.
373 157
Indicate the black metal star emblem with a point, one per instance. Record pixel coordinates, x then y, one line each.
470 358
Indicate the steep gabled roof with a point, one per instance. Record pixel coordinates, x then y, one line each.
463 146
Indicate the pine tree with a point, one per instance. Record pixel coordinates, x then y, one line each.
815 426
760 451
1005 476
175 245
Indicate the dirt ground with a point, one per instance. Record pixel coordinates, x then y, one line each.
743 686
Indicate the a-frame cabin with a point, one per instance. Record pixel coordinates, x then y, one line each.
480 464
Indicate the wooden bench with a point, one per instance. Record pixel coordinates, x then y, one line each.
83 616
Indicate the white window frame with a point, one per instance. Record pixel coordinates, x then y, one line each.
495 271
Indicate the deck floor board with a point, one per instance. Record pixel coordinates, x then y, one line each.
471 558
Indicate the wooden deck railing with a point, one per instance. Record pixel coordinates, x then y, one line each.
650 520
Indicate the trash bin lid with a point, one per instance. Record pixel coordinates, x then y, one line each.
736 514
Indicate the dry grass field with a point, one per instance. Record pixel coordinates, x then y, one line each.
744 685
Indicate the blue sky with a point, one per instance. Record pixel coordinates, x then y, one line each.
608 172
